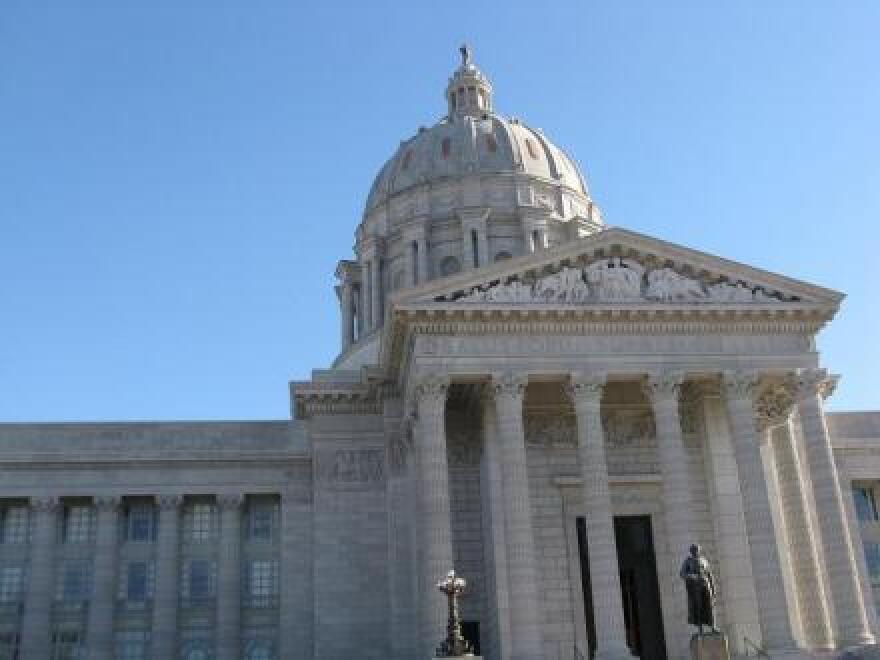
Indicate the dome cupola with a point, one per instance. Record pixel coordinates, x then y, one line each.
469 91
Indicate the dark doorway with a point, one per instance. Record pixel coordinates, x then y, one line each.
638 585
470 630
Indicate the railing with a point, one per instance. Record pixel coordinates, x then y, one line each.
759 650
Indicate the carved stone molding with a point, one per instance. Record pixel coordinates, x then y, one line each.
627 427
431 387
228 501
773 405
551 429
739 384
45 503
809 382
586 387
107 502
510 385
349 467
169 502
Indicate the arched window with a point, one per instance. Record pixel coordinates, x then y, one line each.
501 256
449 266
475 247
446 147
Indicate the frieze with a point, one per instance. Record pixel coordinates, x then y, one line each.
551 429
620 280
350 467
623 427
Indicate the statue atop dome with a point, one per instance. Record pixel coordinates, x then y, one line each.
466 55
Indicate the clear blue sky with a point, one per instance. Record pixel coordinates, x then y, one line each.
179 177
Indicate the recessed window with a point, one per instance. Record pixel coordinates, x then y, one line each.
68 644
198 579
530 146
9 644
74 581
140 523
11 584
263 583
14 525
137 582
866 503
77 524
200 522
446 147
872 561
262 520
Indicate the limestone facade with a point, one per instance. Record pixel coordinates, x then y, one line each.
499 417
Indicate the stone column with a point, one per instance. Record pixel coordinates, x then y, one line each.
38 599
423 261
586 394
522 570
773 409
376 290
663 391
164 635
769 586
851 619
436 531
345 314
229 577
102 605
494 544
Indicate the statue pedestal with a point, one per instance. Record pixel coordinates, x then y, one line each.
710 646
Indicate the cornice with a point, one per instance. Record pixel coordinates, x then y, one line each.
311 398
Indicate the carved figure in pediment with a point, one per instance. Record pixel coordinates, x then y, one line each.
616 279
666 285
728 292
512 292
567 285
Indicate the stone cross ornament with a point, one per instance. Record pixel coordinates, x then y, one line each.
455 645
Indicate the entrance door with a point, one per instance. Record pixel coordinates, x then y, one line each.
638 585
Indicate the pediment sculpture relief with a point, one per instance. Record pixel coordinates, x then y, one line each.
621 280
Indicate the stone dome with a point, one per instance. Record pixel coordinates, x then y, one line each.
473 139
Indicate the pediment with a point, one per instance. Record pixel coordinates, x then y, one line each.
616 268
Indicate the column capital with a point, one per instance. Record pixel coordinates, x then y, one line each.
431 386
107 502
773 405
810 382
739 384
663 386
510 384
229 501
169 502
45 503
586 386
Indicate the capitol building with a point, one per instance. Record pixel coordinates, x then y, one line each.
555 407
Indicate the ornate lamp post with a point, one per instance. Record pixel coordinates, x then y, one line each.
455 645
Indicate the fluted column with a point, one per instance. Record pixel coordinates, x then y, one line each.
663 390
849 608
436 532
229 577
38 600
164 634
101 608
769 585
586 394
522 570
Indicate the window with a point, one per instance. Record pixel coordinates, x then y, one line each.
74 582
262 519
198 580
77 524
14 525
9 644
446 147
263 582
449 266
137 582
132 645
69 645
140 523
11 584
872 560
201 522
407 157
866 504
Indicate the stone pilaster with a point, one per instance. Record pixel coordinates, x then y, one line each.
851 619
773 408
229 577
769 585
522 570
296 572
474 223
436 532
586 394
164 635
494 544
663 390
101 607
38 599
